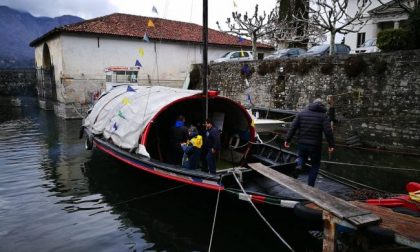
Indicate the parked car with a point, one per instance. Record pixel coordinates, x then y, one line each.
235 56
286 53
368 47
324 50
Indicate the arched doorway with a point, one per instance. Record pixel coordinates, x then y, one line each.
46 57
47 91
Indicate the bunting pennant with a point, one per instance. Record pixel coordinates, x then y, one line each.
155 10
126 101
138 64
115 126
240 39
245 70
141 52
145 38
150 23
130 89
120 114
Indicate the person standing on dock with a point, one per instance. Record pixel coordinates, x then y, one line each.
212 144
310 123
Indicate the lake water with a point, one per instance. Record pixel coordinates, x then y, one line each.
55 196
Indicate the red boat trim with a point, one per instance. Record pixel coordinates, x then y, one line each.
258 199
159 173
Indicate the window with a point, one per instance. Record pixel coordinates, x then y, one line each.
386 25
360 38
235 55
244 54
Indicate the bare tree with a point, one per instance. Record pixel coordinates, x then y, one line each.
406 5
290 30
332 16
255 26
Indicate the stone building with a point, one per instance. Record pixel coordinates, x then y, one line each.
389 15
71 59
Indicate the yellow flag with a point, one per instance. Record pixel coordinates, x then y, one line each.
242 53
126 101
150 23
141 52
234 4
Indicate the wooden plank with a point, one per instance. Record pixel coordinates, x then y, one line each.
405 227
340 208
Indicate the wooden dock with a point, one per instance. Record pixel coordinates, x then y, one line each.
354 215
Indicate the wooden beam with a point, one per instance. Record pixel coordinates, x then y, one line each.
328 243
340 208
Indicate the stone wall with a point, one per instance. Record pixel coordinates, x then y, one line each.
17 82
376 96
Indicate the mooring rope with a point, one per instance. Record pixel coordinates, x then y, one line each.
267 142
379 150
260 214
346 181
284 118
371 166
150 194
214 220
254 143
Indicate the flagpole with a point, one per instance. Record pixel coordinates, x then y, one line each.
205 48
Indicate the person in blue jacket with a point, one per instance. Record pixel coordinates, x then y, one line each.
192 149
310 124
213 146
178 135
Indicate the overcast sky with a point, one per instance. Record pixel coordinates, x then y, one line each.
182 10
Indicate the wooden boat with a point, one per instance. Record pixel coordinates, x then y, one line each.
263 125
131 123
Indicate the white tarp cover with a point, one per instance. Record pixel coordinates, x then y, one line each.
123 113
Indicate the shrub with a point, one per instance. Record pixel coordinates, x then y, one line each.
327 68
304 66
195 77
379 66
353 66
263 69
267 67
393 40
414 28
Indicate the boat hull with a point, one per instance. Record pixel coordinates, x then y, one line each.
194 178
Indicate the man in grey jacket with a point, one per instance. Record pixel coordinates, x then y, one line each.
310 124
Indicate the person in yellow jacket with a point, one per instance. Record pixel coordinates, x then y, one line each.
192 149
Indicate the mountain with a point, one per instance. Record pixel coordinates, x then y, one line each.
18 29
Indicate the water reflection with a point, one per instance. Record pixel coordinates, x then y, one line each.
55 196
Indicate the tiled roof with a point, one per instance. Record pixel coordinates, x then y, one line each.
124 25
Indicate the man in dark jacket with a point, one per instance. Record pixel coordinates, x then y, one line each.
212 144
179 134
310 123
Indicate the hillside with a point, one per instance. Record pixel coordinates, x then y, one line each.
18 29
